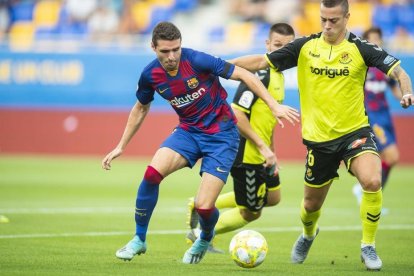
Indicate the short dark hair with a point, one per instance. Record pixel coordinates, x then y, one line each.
372 30
335 3
165 31
282 28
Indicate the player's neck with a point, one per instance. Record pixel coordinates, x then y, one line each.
339 38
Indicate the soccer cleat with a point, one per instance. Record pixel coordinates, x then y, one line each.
192 215
196 252
301 248
4 219
192 236
370 258
132 248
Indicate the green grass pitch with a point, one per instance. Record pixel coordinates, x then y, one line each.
68 217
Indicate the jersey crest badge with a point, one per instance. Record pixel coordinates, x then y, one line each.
192 82
345 58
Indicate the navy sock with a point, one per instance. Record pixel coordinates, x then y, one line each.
208 219
147 198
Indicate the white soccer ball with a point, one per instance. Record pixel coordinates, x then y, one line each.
248 248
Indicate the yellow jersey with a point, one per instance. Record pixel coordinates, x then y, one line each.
260 117
331 82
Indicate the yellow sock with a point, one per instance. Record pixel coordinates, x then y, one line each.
370 213
309 221
230 220
226 200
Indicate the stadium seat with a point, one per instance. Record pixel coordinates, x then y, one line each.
185 5
21 11
405 17
46 13
21 35
141 14
240 35
361 14
384 18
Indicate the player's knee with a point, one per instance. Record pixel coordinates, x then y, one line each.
273 201
392 159
249 215
205 213
153 176
371 183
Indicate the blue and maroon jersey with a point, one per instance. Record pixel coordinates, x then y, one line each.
376 84
194 92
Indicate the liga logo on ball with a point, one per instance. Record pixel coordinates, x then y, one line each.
248 248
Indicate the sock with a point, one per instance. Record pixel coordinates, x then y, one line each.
208 219
146 200
230 220
386 168
370 211
309 221
226 200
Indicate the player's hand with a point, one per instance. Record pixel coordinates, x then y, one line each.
285 112
106 162
407 100
270 160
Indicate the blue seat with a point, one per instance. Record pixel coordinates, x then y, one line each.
384 18
21 11
405 17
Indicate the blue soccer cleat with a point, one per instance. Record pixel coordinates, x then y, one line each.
132 248
196 252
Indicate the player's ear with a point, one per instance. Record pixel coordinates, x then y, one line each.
153 46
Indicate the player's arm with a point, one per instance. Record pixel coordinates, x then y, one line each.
247 131
135 119
252 63
404 80
257 87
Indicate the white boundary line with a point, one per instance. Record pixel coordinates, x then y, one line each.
180 232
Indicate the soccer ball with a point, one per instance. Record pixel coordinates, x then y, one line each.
248 248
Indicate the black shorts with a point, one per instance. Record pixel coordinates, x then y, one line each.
323 159
251 185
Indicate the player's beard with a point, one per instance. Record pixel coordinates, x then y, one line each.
170 65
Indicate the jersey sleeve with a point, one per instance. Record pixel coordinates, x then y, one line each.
145 92
287 56
208 63
375 56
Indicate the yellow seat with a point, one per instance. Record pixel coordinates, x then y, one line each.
46 13
141 14
21 35
361 16
240 35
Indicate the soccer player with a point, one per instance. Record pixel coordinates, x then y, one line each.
379 115
332 66
189 81
255 179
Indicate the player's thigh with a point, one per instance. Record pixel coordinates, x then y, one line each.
362 159
249 188
167 161
208 191
179 150
273 190
366 167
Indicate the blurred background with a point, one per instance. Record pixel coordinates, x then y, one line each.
69 68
